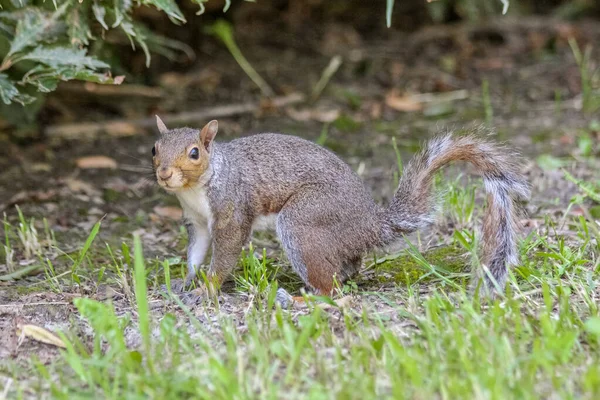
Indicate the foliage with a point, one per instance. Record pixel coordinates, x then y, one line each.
43 43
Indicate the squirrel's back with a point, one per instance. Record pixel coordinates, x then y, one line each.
271 167
286 156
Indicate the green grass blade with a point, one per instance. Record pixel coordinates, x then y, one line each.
86 247
141 293
388 12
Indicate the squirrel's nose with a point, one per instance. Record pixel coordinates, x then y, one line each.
165 173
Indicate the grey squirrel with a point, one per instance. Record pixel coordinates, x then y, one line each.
324 216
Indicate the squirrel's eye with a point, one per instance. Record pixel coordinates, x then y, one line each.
153 151
194 153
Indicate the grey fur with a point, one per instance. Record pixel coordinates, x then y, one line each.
326 218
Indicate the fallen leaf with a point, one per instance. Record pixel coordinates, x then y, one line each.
96 162
79 186
566 139
344 302
32 195
438 109
38 333
375 111
312 114
397 70
529 223
174 213
402 103
41 167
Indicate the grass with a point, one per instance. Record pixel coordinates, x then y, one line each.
414 331
589 76
487 102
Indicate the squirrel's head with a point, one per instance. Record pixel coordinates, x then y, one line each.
180 157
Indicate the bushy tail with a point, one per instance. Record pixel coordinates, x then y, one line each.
413 205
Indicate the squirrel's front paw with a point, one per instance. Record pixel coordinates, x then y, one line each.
177 286
187 297
193 297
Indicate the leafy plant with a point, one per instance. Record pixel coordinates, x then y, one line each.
590 76
49 42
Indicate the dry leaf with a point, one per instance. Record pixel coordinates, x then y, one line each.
175 213
344 302
312 114
95 162
41 167
402 103
376 110
33 195
38 333
78 186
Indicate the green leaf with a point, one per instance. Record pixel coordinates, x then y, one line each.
9 92
135 34
20 3
45 84
99 13
91 76
592 326
64 56
79 28
28 33
200 4
32 29
7 29
121 10
45 79
162 45
169 7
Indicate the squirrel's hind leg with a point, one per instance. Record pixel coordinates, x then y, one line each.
310 247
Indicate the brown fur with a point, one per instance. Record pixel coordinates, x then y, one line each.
326 218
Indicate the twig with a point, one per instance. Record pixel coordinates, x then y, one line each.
326 75
39 303
122 127
441 97
7 386
114 90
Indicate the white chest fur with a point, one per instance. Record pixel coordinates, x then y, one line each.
195 205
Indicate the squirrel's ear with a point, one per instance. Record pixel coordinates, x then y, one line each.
162 128
209 132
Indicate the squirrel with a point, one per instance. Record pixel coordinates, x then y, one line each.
325 217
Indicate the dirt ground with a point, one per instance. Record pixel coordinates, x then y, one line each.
403 86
